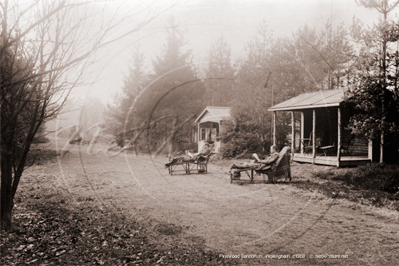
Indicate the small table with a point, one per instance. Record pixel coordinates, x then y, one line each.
326 149
251 176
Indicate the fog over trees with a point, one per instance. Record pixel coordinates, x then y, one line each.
274 69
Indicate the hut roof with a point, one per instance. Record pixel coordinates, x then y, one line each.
317 99
214 114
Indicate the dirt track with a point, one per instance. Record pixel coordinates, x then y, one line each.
249 219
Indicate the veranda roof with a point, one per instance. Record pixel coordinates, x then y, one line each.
213 114
317 99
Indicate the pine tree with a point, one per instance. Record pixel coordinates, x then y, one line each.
121 115
251 99
174 83
336 53
373 87
219 74
175 91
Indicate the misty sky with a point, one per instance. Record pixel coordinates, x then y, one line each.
205 20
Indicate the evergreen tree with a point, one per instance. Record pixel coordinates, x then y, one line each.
276 70
337 54
297 67
121 115
172 68
219 74
250 131
253 89
311 60
373 87
175 91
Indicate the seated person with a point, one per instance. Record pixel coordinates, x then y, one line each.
205 150
272 157
269 160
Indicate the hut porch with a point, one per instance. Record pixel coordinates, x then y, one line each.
331 160
319 134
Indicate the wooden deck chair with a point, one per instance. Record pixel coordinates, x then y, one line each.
177 164
307 143
281 168
201 163
309 146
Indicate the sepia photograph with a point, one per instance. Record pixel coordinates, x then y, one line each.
201 132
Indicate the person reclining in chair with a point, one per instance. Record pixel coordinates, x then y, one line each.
205 150
265 164
272 157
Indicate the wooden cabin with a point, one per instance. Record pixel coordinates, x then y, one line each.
210 124
319 134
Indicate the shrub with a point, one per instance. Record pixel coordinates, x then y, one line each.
241 137
382 177
249 131
326 175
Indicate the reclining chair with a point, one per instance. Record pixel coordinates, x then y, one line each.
201 162
188 164
281 168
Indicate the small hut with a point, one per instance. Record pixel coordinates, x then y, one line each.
210 124
319 123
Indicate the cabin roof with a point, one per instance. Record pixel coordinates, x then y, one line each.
214 114
317 99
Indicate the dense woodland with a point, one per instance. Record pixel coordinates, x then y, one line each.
333 56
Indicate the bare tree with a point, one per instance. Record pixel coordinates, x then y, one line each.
46 47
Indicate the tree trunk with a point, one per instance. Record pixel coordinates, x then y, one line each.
9 183
7 198
384 70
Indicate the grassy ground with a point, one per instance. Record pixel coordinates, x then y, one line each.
50 227
126 210
335 183
344 183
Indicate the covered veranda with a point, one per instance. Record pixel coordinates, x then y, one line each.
319 135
